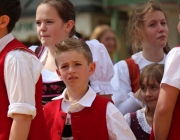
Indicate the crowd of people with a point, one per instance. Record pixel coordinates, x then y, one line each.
69 88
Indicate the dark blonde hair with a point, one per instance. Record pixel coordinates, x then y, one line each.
66 12
135 23
154 71
99 31
73 44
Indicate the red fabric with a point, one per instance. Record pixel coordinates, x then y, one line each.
88 124
175 124
134 74
38 130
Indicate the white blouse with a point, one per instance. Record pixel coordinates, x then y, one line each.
123 96
140 114
172 68
100 80
21 73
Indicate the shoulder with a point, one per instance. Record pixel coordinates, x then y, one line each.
121 66
174 52
21 55
55 104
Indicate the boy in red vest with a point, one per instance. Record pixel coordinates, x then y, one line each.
20 82
79 113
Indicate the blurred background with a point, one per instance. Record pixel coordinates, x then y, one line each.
91 13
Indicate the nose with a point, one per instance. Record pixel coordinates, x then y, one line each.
161 28
71 69
43 27
148 93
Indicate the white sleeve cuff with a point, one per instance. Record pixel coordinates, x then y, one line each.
131 94
103 88
21 108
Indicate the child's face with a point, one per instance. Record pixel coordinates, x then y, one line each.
156 30
50 27
178 27
150 92
74 69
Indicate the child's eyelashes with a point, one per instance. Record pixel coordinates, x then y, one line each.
65 66
77 64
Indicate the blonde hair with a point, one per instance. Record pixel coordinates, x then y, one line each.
99 31
73 44
135 23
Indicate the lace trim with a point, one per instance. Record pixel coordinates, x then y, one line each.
142 121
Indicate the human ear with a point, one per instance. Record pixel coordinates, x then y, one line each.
58 72
92 67
69 26
4 21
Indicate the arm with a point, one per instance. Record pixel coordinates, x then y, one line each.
123 96
21 73
164 111
118 129
20 127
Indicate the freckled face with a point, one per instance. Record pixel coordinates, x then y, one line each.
74 69
156 30
50 27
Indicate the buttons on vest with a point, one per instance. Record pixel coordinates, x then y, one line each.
62 117
59 132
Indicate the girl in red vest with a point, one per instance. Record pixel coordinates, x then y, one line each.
21 116
79 113
141 121
55 21
167 115
148 31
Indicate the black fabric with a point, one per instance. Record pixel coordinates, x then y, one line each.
67 132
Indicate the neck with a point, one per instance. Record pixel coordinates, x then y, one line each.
3 32
153 55
74 95
149 117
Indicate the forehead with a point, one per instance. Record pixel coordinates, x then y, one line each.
46 11
68 56
149 80
154 15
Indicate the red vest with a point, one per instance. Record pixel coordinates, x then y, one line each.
134 74
87 124
38 130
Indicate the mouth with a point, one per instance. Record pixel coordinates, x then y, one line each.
42 37
162 37
72 78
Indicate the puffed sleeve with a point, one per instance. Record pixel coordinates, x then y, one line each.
100 80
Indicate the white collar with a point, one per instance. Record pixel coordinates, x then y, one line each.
142 62
85 101
5 40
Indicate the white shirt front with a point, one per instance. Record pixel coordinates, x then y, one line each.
171 74
21 73
123 96
118 129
